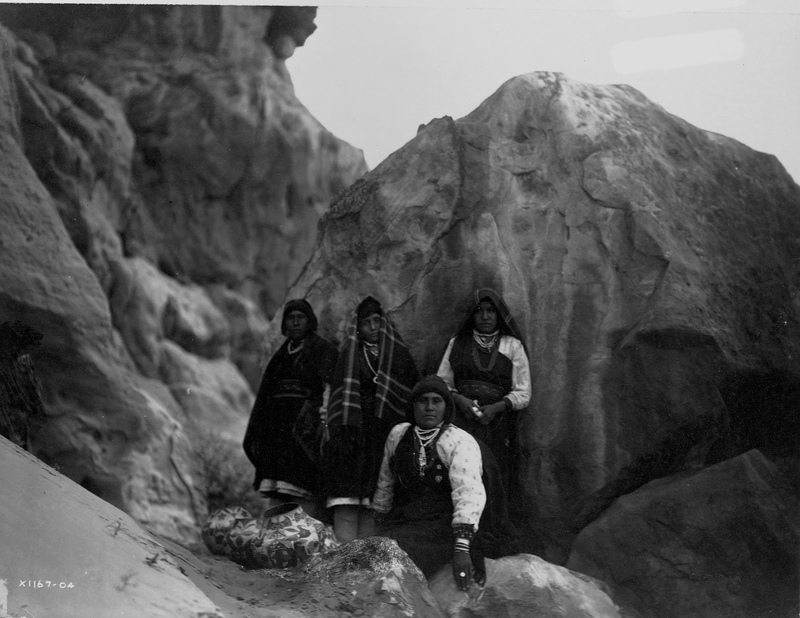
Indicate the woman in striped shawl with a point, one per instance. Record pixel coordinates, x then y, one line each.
370 387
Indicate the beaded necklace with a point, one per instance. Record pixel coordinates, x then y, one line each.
297 349
491 348
425 437
367 353
486 342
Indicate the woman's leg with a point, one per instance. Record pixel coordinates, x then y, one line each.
309 506
345 522
366 523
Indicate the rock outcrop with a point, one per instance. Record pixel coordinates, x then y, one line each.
161 186
652 266
373 577
524 585
70 554
719 542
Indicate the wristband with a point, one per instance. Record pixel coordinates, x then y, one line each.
462 545
465 532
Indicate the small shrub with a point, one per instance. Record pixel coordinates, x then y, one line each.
226 472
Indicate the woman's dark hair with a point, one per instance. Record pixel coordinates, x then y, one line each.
301 305
368 307
505 323
433 384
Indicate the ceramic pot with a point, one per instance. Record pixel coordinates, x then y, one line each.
240 541
217 526
289 536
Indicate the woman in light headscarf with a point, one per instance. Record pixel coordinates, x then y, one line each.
283 434
486 368
370 387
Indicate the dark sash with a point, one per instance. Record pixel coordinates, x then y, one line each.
482 391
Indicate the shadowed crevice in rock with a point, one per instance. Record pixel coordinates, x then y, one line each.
21 409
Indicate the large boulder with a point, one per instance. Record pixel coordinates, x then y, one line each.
524 585
70 554
649 264
718 542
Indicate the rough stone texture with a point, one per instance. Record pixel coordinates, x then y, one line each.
249 329
715 543
107 429
232 171
90 557
521 586
160 189
212 393
647 261
378 577
149 307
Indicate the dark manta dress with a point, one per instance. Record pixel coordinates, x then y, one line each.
422 511
282 436
352 458
486 376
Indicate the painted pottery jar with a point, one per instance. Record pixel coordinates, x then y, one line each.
289 536
240 541
217 526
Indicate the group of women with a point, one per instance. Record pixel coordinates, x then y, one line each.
426 462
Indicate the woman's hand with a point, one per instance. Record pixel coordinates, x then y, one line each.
462 569
464 404
490 411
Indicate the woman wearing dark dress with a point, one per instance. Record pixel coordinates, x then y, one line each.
438 489
283 434
369 392
486 368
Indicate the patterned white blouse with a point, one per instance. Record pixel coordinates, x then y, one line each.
511 348
460 454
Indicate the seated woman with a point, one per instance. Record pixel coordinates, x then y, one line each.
486 368
282 435
432 490
370 388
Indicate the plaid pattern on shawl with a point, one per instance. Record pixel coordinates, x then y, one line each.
396 375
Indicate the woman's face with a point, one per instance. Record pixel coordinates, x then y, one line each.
485 317
296 325
429 410
369 328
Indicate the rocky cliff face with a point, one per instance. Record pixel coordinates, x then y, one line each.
160 190
652 266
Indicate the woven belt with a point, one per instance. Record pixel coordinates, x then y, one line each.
475 389
291 388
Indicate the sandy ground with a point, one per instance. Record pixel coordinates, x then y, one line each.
264 593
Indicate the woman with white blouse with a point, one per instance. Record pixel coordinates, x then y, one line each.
431 497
